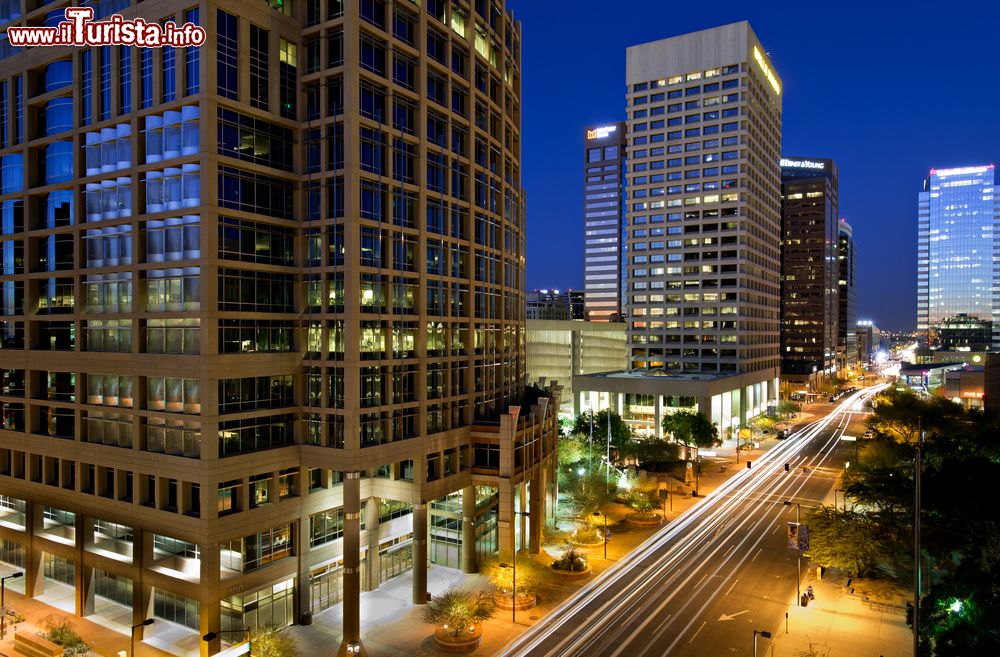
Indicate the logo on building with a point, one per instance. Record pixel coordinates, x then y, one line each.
802 164
768 73
601 133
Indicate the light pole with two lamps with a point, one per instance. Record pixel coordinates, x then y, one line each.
763 634
145 623
3 604
798 551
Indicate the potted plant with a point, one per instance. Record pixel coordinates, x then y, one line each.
459 615
529 575
571 565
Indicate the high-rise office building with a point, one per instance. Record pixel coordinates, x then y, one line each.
809 270
263 308
556 305
604 219
703 229
958 219
847 341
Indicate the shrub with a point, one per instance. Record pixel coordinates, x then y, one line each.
529 575
271 641
571 560
457 610
59 631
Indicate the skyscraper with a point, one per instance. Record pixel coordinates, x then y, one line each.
604 219
263 311
809 276
847 341
703 228
958 221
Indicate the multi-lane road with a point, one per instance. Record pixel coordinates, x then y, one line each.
717 573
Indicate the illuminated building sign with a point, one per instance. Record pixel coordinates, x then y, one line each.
601 133
972 395
768 73
803 164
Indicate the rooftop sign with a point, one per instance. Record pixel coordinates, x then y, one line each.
768 73
602 133
803 164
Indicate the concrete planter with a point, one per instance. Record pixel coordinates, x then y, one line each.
572 574
524 601
644 520
468 642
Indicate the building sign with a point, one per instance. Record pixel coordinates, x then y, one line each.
602 133
972 395
805 164
768 73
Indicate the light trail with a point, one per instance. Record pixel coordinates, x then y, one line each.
655 559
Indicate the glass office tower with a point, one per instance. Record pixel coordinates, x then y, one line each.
263 310
958 221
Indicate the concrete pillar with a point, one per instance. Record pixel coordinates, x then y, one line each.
302 600
420 553
142 593
209 614
34 572
658 422
505 519
535 511
469 564
352 563
374 570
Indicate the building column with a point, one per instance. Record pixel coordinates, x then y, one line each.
352 564
420 553
34 570
505 519
83 574
535 510
469 564
303 592
142 594
210 612
658 422
374 571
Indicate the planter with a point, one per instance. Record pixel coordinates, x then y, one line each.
468 642
597 543
572 574
523 601
644 520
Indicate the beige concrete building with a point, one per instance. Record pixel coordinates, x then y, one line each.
703 222
559 350
263 312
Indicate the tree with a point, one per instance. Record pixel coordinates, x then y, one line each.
652 451
641 495
901 414
621 433
271 641
691 428
530 574
456 610
589 493
848 540
881 478
786 407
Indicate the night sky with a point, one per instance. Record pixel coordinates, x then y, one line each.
887 89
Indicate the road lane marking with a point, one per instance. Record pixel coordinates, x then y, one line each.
696 633
732 587
756 555
729 617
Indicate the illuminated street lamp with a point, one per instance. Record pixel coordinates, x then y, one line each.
798 552
145 623
598 514
513 587
763 634
3 606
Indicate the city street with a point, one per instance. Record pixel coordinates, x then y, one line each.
703 585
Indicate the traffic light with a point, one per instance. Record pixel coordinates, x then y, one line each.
787 468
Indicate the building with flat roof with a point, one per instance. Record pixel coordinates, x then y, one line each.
556 305
262 314
559 350
703 222
604 219
810 293
869 341
959 214
847 260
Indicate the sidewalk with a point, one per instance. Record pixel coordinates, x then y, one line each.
105 640
841 623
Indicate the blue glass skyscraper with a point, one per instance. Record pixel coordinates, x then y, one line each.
958 221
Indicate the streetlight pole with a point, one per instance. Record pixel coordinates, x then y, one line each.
598 514
917 468
145 623
607 476
246 631
3 604
798 552
763 634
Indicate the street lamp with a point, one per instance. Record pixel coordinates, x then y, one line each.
763 634
145 623
798 552
598 514
3 606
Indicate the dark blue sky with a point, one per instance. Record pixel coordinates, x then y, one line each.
887 89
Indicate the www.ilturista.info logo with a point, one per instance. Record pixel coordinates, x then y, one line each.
79 29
